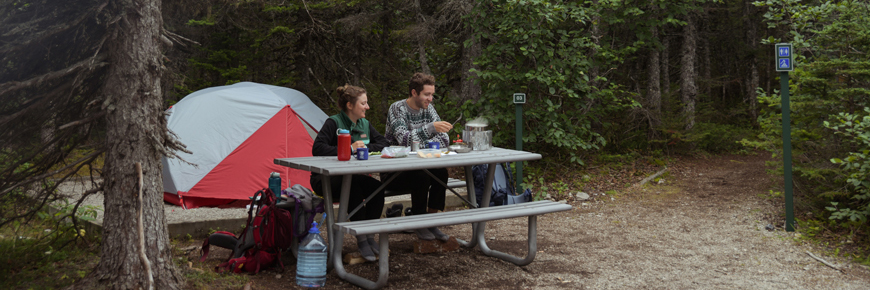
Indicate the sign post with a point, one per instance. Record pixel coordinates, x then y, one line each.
519 100
785 64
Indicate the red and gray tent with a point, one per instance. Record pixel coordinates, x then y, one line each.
234 133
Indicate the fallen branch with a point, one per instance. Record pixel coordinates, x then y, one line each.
651 177
825 262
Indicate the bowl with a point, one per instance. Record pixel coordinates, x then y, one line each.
429 153
460 148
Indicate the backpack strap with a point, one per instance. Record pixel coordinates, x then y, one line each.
205 244
233 265
510 185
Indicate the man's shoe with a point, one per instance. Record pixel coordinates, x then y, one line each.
424 234
438 234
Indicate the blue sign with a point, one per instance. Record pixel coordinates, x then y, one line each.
784 51
784 57
784 63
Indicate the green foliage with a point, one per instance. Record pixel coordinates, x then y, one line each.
829 89
856 165
42 253
544 49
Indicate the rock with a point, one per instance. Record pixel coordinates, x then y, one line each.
563 201
435 246
548 196
769 227
278 276
581 196
353 258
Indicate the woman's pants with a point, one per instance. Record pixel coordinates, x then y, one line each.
361 186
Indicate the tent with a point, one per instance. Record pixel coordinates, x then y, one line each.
234 133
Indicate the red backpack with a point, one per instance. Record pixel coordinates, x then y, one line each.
269 232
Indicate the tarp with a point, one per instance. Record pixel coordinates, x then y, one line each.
234 134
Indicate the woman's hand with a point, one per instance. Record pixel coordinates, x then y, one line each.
358 144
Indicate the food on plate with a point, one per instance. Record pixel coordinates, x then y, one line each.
429 153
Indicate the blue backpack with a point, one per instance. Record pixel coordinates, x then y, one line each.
502 186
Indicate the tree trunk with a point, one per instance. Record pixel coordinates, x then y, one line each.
666 68
469 87
421 43
705 56
654 93
135 133
752 61
688 89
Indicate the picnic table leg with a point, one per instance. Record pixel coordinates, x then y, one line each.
338 240
487 193
383 265
533 245
330 236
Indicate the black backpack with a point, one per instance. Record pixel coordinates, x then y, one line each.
502 186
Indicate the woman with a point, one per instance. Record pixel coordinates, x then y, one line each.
353 103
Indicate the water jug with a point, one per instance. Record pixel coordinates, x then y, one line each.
343 145
311 261
275 184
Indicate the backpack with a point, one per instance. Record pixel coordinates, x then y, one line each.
306 206
268 232
502 186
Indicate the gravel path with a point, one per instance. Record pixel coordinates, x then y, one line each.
703 228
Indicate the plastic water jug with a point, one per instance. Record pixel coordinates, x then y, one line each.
275 184
311 262
343 145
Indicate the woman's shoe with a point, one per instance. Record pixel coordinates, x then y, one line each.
364 249
374 245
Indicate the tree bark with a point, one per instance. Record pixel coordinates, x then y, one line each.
470 88
752 61
654 93
688 88
666 68
705 56
135 133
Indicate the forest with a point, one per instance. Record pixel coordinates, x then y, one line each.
604 79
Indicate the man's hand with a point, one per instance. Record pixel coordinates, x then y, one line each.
442 127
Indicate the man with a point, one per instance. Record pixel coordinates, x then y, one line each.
415 119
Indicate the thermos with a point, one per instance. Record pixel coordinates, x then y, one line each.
275 184
343 145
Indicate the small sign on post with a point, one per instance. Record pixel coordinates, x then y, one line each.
784 57
785 64
519 98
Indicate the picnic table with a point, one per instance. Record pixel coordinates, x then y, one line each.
330 167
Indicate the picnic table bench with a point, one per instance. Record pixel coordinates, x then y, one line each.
477 216
383 227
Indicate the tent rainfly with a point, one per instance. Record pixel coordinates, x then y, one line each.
234 133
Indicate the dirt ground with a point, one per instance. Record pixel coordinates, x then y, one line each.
702 228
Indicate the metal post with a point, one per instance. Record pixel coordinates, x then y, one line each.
519 126
786 152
